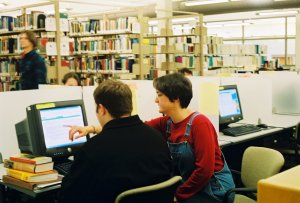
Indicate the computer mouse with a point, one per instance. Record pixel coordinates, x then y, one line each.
262 125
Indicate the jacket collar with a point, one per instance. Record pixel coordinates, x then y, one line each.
122 122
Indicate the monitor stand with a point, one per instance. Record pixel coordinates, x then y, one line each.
223 126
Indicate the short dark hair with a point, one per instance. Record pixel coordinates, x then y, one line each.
71 75
175 86
31 37
115 96
185 70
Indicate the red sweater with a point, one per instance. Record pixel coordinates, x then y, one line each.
203 139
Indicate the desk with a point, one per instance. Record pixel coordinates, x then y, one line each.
234 147
277 120
281 188
284 121
247 137
223 143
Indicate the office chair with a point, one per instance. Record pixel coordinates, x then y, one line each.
293 148
162 192
257 163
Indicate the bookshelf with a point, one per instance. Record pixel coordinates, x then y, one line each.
245 57
107 46
10 50
170 49
285 60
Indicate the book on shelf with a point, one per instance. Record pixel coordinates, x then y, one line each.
28 167
29 158
32 177
30 185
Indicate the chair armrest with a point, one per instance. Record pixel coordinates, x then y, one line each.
246 191
235 172
236 175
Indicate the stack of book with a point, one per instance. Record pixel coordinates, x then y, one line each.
30 172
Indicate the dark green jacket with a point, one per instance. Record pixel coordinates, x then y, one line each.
33 71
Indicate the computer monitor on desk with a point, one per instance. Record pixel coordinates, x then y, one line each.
44 133
230 110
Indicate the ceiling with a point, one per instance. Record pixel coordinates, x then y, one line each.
90 7
238 6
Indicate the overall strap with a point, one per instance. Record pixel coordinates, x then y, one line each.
169 123
189 125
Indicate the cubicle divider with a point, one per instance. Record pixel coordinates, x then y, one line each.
255 93
89 104
13 110
205 97
13 104
256 96
285 92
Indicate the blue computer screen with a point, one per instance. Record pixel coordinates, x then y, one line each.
229 104
54 123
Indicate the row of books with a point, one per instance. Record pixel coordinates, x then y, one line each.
90 63
234 61
94 26
8 66
30 172
235 49
186 61
185 39
120 44
212 40
11 45
4 86
34 20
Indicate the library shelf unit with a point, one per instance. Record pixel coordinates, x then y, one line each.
233 57
169 52
108 46
10 50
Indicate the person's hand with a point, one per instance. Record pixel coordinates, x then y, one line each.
175 199
76 132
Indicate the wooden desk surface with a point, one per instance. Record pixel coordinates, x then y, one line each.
281 188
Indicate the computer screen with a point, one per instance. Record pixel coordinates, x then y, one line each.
230 110
44 131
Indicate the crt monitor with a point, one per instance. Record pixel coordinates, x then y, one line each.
44 132
230 110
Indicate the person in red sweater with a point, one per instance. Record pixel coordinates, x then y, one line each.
193 143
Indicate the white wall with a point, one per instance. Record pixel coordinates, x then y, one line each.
256 96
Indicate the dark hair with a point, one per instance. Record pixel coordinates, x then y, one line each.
31 37
185 70
71 75
115 96
175 86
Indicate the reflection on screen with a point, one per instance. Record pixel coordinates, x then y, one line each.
229 103
54 121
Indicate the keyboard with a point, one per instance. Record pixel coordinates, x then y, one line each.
63 168
240 130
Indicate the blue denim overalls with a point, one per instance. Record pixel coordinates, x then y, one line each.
184 164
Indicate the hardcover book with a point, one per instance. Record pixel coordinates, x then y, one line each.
28 167
32 177
29 185
28 158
